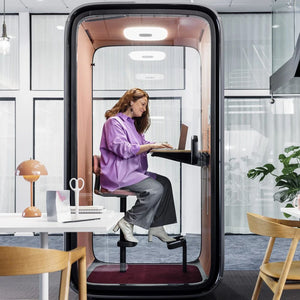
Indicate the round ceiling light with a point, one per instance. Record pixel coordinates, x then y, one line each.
145 33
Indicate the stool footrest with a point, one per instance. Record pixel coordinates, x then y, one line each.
126 244
180 241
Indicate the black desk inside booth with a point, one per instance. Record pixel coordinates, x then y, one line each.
184 156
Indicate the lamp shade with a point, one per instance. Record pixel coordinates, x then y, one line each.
31 167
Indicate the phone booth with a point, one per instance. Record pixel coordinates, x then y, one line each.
174 52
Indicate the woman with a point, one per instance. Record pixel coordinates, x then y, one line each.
124 166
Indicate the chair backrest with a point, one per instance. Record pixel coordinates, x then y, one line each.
96 164
97 186
271 227
28 261
97 170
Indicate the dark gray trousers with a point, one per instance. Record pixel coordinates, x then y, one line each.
155 203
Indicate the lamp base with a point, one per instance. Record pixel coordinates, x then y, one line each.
31 212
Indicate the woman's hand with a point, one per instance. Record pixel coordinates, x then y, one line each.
149 147
161 146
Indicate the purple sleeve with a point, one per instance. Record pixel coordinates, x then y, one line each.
117 141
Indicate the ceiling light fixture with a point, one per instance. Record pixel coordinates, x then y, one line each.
149 76
4 39
147 55
145 33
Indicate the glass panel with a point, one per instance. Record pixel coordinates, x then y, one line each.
9 63
49 146
7 154
248 52
256 132
150 67
283 32
47 47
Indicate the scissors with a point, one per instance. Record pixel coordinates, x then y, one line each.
76 189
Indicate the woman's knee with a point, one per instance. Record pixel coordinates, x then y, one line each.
165 181
156 191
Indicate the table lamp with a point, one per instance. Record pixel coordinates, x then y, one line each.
31 170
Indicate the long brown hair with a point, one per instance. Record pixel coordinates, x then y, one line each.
142 123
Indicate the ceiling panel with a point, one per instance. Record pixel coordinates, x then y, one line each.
66 6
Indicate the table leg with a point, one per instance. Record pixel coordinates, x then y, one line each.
44 278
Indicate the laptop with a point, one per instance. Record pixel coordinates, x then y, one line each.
183 136
181 143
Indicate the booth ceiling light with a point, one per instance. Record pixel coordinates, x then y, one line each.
147 55
4 39
145 33
149 76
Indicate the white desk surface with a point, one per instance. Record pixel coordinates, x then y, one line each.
14 222
293 211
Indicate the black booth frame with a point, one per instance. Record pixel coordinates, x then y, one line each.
216 159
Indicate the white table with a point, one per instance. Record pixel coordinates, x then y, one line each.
293 211
14 222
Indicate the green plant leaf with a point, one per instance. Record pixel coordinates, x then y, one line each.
287 206
290 168
291 148
263 171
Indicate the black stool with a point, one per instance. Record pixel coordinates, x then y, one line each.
122 195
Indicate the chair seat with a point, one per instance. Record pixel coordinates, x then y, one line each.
274 270
117 193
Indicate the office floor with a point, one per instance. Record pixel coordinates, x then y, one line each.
243 255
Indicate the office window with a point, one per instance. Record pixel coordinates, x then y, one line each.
9 63
7 155
49 146
47 52
256 132
247 50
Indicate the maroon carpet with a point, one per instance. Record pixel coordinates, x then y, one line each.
145 274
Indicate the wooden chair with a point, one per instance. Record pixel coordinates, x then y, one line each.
28 261
282 275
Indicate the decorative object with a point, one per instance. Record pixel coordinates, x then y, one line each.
31 170
58 205
4 39
288 182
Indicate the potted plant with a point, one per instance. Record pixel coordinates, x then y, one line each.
288 182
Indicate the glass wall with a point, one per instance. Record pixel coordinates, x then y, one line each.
7 151
9 63
155 68
284 35
47 52
49 146
256 132
247 51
